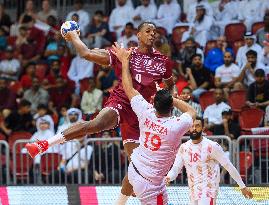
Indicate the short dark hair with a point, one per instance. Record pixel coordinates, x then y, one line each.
196 55
78 2
27 19
251 53
24 103
187 88
130 24
259 73
200 119
144 24
163 101
42 106
99 12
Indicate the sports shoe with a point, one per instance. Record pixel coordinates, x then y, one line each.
37 147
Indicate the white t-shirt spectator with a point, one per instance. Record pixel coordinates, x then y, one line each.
214 112
227 74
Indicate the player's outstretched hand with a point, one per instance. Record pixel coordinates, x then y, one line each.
70 35
167 181
121 53
247 193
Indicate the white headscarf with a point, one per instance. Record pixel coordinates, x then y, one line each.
76 111
128 3
45 118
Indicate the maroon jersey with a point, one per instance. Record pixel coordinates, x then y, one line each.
146 69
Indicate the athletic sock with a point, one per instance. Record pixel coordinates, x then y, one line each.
56 139
122 199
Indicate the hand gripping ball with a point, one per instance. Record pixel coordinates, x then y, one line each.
69 26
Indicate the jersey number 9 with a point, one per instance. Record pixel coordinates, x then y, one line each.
154 141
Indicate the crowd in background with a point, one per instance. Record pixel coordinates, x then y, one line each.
45 86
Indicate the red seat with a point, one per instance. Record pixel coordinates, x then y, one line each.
250 118
24 164
50 162
256 26
177 34
235 32
237 100
237 45
41 71
16 87
245 163
209 45
84 85
207 99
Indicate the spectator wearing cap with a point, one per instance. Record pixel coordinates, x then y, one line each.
258 91
261 33
128 35
84 17
200 28
10 66
214 57
229 126
250 44
227 74
248 69
213 113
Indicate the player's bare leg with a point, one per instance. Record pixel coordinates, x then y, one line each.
107 119
127 188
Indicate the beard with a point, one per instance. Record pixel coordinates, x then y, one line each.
195 135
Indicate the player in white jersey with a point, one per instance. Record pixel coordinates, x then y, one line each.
201 158
160 134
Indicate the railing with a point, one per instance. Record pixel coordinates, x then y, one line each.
4 162
253 158
102 161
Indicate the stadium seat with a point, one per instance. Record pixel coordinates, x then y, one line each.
237 44
177 35
16 87
2 137
18 136
234 32
245 163
209 45
24 164
49 163
237 100
256 26
249 118
207 99
41 71
11 40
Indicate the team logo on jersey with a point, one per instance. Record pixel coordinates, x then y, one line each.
119 106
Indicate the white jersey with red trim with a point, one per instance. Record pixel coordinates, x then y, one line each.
159 140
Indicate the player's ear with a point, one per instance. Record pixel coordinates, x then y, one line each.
138 35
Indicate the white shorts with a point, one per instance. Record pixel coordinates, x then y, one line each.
147 192
204 201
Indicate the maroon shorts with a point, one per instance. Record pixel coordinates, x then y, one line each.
127 120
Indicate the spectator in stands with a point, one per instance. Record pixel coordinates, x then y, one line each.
8 98
250 44
75 72
214 57
247 71
198 77
60 94
92 99
186 96
179 80
36 95
200 27
109 160
213 113
51 51
10 66
63 118
28 11
106 80
249 12
264 8
46 11
21 37
54 72
228 127
227 74
119 16
84 17
3 39
161 44
265 54
186 53
191 14
98 32
33 47
147 11
19 120
26 79
258 91
261 33
41 111
225 14
73 115
128 35
168 14
5 21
